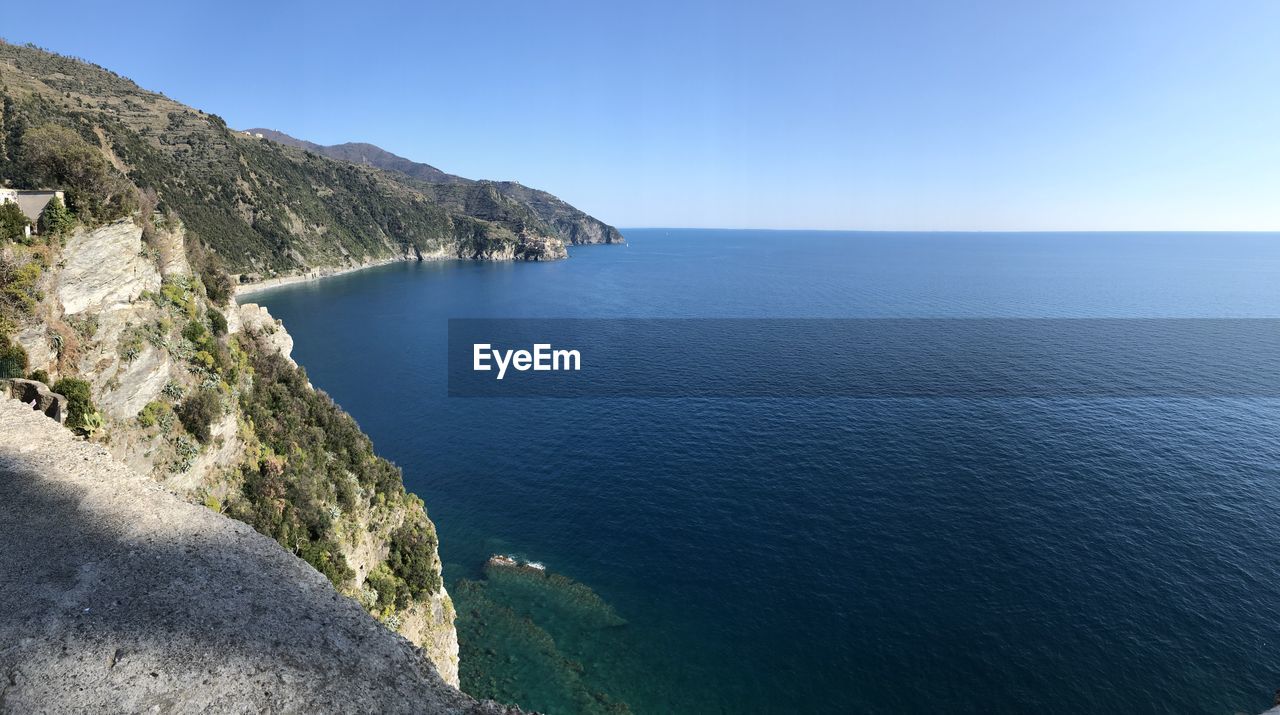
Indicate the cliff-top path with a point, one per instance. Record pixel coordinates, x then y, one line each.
116 596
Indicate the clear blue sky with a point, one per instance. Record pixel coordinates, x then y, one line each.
894 114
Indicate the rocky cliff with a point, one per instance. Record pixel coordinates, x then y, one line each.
131 318
119 597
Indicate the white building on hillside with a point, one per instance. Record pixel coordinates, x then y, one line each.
32 203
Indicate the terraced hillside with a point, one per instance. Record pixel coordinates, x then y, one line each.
263 206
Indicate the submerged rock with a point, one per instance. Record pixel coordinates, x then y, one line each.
537 638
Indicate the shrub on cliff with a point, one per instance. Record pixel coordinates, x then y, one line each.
18 297
327 558
198 412
217 322
207 350
413 559
156 413
13 222
287 504
195 332
386 586
207 264
18 288
81 411
307 425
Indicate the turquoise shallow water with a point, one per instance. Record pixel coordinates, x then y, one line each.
834 554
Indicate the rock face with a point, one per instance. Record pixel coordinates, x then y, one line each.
570 224
118 597
104 274
428 623
106 269
256 318
136 382
35 340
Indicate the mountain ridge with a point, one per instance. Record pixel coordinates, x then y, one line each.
362 153
570 224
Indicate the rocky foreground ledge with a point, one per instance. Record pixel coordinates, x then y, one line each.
116 596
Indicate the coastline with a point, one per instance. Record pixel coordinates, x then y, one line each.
315 274
245 289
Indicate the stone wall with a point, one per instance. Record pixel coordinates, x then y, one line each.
38 396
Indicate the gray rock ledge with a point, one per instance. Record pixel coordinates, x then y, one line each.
116 596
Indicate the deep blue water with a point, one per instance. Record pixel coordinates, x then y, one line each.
850 555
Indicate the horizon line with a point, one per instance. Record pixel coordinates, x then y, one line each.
947 230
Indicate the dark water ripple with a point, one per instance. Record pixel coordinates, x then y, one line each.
830 554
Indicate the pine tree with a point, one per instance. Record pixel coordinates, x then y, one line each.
56 219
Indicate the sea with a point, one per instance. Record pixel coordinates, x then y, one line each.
834 553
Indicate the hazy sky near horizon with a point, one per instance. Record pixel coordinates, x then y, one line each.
893 114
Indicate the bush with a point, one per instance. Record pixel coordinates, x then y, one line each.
327 558
207 264
39 376
385 585
177 291
195 332
209 352
314 464
18 287
13 222
80 406
217 322
413 558
198 412
156 413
